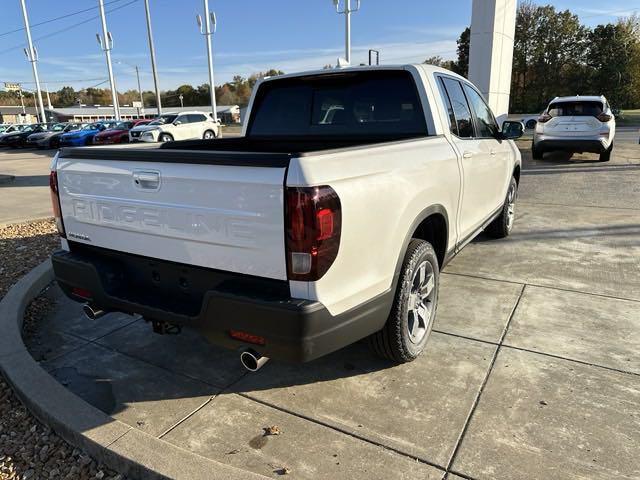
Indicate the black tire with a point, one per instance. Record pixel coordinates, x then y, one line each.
536 153
165 137
394 341
503 224
606 155
531 124
209 135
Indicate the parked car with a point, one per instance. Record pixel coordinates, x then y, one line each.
530 121
10 130
576 125
18 139
119 133
85 135
51 138
177 126
307 233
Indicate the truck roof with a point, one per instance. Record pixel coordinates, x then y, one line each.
360 68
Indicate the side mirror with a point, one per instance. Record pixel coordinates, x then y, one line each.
177 122
512 130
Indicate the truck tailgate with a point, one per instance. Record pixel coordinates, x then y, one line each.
221 211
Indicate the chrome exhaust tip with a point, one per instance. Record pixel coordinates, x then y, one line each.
252 360
92 312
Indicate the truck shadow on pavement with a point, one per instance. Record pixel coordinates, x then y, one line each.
27 181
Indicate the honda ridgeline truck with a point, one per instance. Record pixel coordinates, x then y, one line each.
328 221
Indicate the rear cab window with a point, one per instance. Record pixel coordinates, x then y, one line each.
379 103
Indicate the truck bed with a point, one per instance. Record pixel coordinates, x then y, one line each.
289 145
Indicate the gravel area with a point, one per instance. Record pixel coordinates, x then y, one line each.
29 449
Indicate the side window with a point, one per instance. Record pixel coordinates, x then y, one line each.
453 127
461 111
182 119
197 117
487 125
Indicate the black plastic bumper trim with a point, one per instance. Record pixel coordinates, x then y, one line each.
296 330
591 146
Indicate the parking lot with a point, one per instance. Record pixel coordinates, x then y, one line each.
532 371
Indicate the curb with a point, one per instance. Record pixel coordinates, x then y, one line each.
116 444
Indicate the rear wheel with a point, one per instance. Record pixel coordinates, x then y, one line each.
165 137
503 224
409 325
606 155
209 135
536 153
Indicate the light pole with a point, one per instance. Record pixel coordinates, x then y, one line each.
209 19
137 77
107 45
153 57
32 56
48 97
347 11
181 97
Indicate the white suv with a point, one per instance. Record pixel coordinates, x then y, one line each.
177 126
576 124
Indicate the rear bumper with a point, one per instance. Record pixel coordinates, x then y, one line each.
295 330
592 145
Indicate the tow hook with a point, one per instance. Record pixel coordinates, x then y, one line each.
165 328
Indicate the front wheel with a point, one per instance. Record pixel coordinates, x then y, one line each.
409 325
503 224
165 137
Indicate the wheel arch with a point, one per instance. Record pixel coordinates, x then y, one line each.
516 174
431 225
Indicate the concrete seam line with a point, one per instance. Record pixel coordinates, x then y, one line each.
476 401
134 453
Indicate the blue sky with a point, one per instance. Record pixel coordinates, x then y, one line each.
253 35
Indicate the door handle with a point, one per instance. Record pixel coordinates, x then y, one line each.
467 155
147 180
493 153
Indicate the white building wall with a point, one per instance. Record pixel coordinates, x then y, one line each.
493 26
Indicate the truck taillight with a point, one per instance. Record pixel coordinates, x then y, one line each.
313 227
55 202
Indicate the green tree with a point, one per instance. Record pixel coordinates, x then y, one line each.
461 65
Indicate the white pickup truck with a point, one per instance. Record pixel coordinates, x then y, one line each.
327 221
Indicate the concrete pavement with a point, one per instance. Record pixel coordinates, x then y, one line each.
532 370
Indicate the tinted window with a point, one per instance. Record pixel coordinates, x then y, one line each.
361 103
164 119
196 118
461 111
575 109
487 125
453 127
183 119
